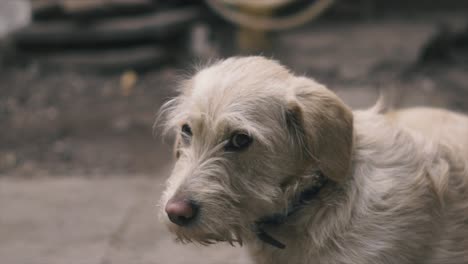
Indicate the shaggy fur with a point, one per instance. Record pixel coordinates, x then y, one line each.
397 190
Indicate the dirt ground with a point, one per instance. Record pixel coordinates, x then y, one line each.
81 169
63 122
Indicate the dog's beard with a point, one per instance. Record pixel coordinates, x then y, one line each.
206 234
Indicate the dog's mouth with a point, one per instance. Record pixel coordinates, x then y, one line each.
207 240
190 235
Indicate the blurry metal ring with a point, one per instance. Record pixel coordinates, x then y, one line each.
258 4
266 23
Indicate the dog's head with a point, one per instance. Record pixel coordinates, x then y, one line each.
248 132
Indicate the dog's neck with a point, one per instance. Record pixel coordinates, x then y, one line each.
296 205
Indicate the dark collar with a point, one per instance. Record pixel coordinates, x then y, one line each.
279 218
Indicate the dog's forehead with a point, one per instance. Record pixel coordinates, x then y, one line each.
235 94
235 87
240 77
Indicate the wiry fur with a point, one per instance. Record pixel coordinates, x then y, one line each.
397 190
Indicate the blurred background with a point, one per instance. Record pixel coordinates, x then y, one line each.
81 81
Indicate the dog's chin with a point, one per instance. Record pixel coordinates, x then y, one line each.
198 234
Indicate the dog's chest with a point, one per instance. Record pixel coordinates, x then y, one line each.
277 256
294 253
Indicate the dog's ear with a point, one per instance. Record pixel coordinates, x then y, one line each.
323 125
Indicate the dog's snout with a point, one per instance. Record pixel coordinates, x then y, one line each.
181 211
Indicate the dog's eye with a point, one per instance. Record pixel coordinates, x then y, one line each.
238 142
186 130
186 133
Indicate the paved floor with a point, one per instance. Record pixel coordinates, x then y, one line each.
80 220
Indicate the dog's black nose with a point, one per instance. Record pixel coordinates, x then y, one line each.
181 211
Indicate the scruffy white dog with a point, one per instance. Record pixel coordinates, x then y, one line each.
279 163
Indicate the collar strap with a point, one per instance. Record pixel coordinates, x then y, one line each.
279 218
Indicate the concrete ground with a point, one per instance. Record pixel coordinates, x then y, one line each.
82 220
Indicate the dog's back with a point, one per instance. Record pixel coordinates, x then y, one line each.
452 129
437 124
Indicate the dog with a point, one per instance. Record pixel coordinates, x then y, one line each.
278 163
